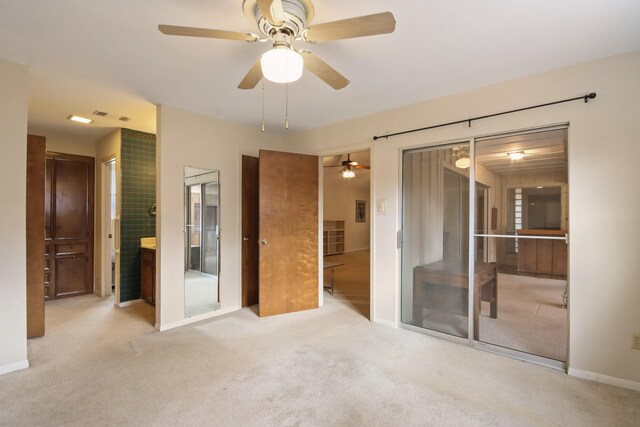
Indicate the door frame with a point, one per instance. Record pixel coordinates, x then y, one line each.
106 224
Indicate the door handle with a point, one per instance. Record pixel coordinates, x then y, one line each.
263 242
245 239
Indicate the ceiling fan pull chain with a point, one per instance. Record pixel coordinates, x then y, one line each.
262 94
286 106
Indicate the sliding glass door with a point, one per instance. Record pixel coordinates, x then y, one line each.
435 247
526 241
510 290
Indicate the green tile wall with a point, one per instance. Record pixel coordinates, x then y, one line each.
138 163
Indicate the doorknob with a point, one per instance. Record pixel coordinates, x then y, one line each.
245 239
263 242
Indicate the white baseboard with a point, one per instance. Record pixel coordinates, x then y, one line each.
604 379
5 369
385 323
128 303
194 319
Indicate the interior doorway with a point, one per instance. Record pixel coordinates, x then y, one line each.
280 265
346 230
109 230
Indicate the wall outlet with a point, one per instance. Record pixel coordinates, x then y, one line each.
636 342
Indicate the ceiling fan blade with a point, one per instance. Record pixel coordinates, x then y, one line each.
272 10
361 167
370 25
253 77
174 30
323 70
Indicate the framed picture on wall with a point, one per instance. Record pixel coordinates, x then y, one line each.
361 211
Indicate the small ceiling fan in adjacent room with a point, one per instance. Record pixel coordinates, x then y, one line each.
283 22
348 167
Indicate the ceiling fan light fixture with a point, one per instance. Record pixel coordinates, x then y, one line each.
281 64
516 155
347 173
463 162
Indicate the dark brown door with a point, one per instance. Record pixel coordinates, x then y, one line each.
36 152
250 225
68 225
288 232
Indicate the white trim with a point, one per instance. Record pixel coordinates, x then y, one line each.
195 319
128 303
385 323
5 369
604 379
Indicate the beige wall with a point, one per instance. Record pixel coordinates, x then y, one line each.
187 139
603 148
13 182
69 144
339 202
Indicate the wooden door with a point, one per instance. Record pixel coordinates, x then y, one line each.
36 152
288 232
250 225
68 225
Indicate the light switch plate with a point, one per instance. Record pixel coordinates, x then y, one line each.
381 206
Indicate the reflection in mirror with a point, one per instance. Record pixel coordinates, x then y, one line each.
202 241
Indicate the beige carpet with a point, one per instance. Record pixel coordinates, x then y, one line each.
99 365
530 317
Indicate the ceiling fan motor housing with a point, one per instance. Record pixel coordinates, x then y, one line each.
298 14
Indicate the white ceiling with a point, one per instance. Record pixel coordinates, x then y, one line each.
543 152
86 55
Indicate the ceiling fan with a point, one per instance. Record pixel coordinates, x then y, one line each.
347 165
282 22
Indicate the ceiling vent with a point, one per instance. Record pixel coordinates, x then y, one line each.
111 116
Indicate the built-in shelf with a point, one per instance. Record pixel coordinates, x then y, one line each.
333 237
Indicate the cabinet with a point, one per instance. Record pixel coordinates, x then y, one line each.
542 256
148 275
333 237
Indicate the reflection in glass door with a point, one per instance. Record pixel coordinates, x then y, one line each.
202 241
435 243
526 177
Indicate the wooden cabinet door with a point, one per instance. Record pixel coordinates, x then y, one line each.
68 230
147 275
288 207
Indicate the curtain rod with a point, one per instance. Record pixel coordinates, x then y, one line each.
586 99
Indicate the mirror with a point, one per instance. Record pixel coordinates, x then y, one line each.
201 241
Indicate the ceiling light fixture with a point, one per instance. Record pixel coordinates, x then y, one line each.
282 64
347 173
516 155
463 162
79 119
461 156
